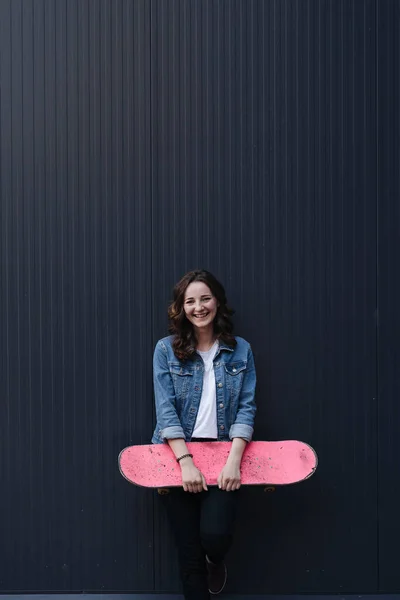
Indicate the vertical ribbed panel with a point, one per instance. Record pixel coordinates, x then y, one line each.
75 293
264 171
389 291
141 138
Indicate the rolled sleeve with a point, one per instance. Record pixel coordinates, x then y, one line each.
172 433
240 430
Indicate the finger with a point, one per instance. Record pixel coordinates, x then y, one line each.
204 483
232 486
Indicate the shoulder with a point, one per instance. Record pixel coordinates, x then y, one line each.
242 343
164 343
242 350
242 346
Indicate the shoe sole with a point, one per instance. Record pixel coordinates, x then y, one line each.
223 585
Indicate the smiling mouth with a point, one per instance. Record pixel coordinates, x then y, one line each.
201 316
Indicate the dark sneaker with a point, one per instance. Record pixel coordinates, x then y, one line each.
217 575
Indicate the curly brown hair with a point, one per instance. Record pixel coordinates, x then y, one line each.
184 344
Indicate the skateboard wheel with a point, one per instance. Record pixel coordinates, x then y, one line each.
163 491
269 488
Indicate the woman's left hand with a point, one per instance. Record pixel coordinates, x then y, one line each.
229 478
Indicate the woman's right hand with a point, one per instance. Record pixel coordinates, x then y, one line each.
192 479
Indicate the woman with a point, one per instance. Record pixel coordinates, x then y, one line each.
204 384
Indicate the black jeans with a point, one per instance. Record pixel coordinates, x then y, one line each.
202 524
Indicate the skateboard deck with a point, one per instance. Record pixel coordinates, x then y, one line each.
263 463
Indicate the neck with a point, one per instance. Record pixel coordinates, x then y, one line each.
205 338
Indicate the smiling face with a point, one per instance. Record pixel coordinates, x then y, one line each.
200 305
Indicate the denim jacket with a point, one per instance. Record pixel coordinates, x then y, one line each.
178 387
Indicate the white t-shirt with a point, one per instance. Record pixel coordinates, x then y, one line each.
206 421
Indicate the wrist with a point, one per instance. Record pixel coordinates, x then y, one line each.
237 449
234 460
186 462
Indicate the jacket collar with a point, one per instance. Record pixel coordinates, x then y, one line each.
223 346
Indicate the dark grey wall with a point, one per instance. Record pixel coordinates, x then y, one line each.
388 214
139 139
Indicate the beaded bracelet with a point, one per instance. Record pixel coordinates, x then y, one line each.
184 456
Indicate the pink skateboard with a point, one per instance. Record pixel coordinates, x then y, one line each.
263 463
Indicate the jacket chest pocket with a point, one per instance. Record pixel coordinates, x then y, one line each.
182 378
234 373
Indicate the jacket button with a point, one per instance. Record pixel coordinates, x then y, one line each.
196 388
222 427
221 405
220 385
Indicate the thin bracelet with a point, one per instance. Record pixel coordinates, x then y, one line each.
184 456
